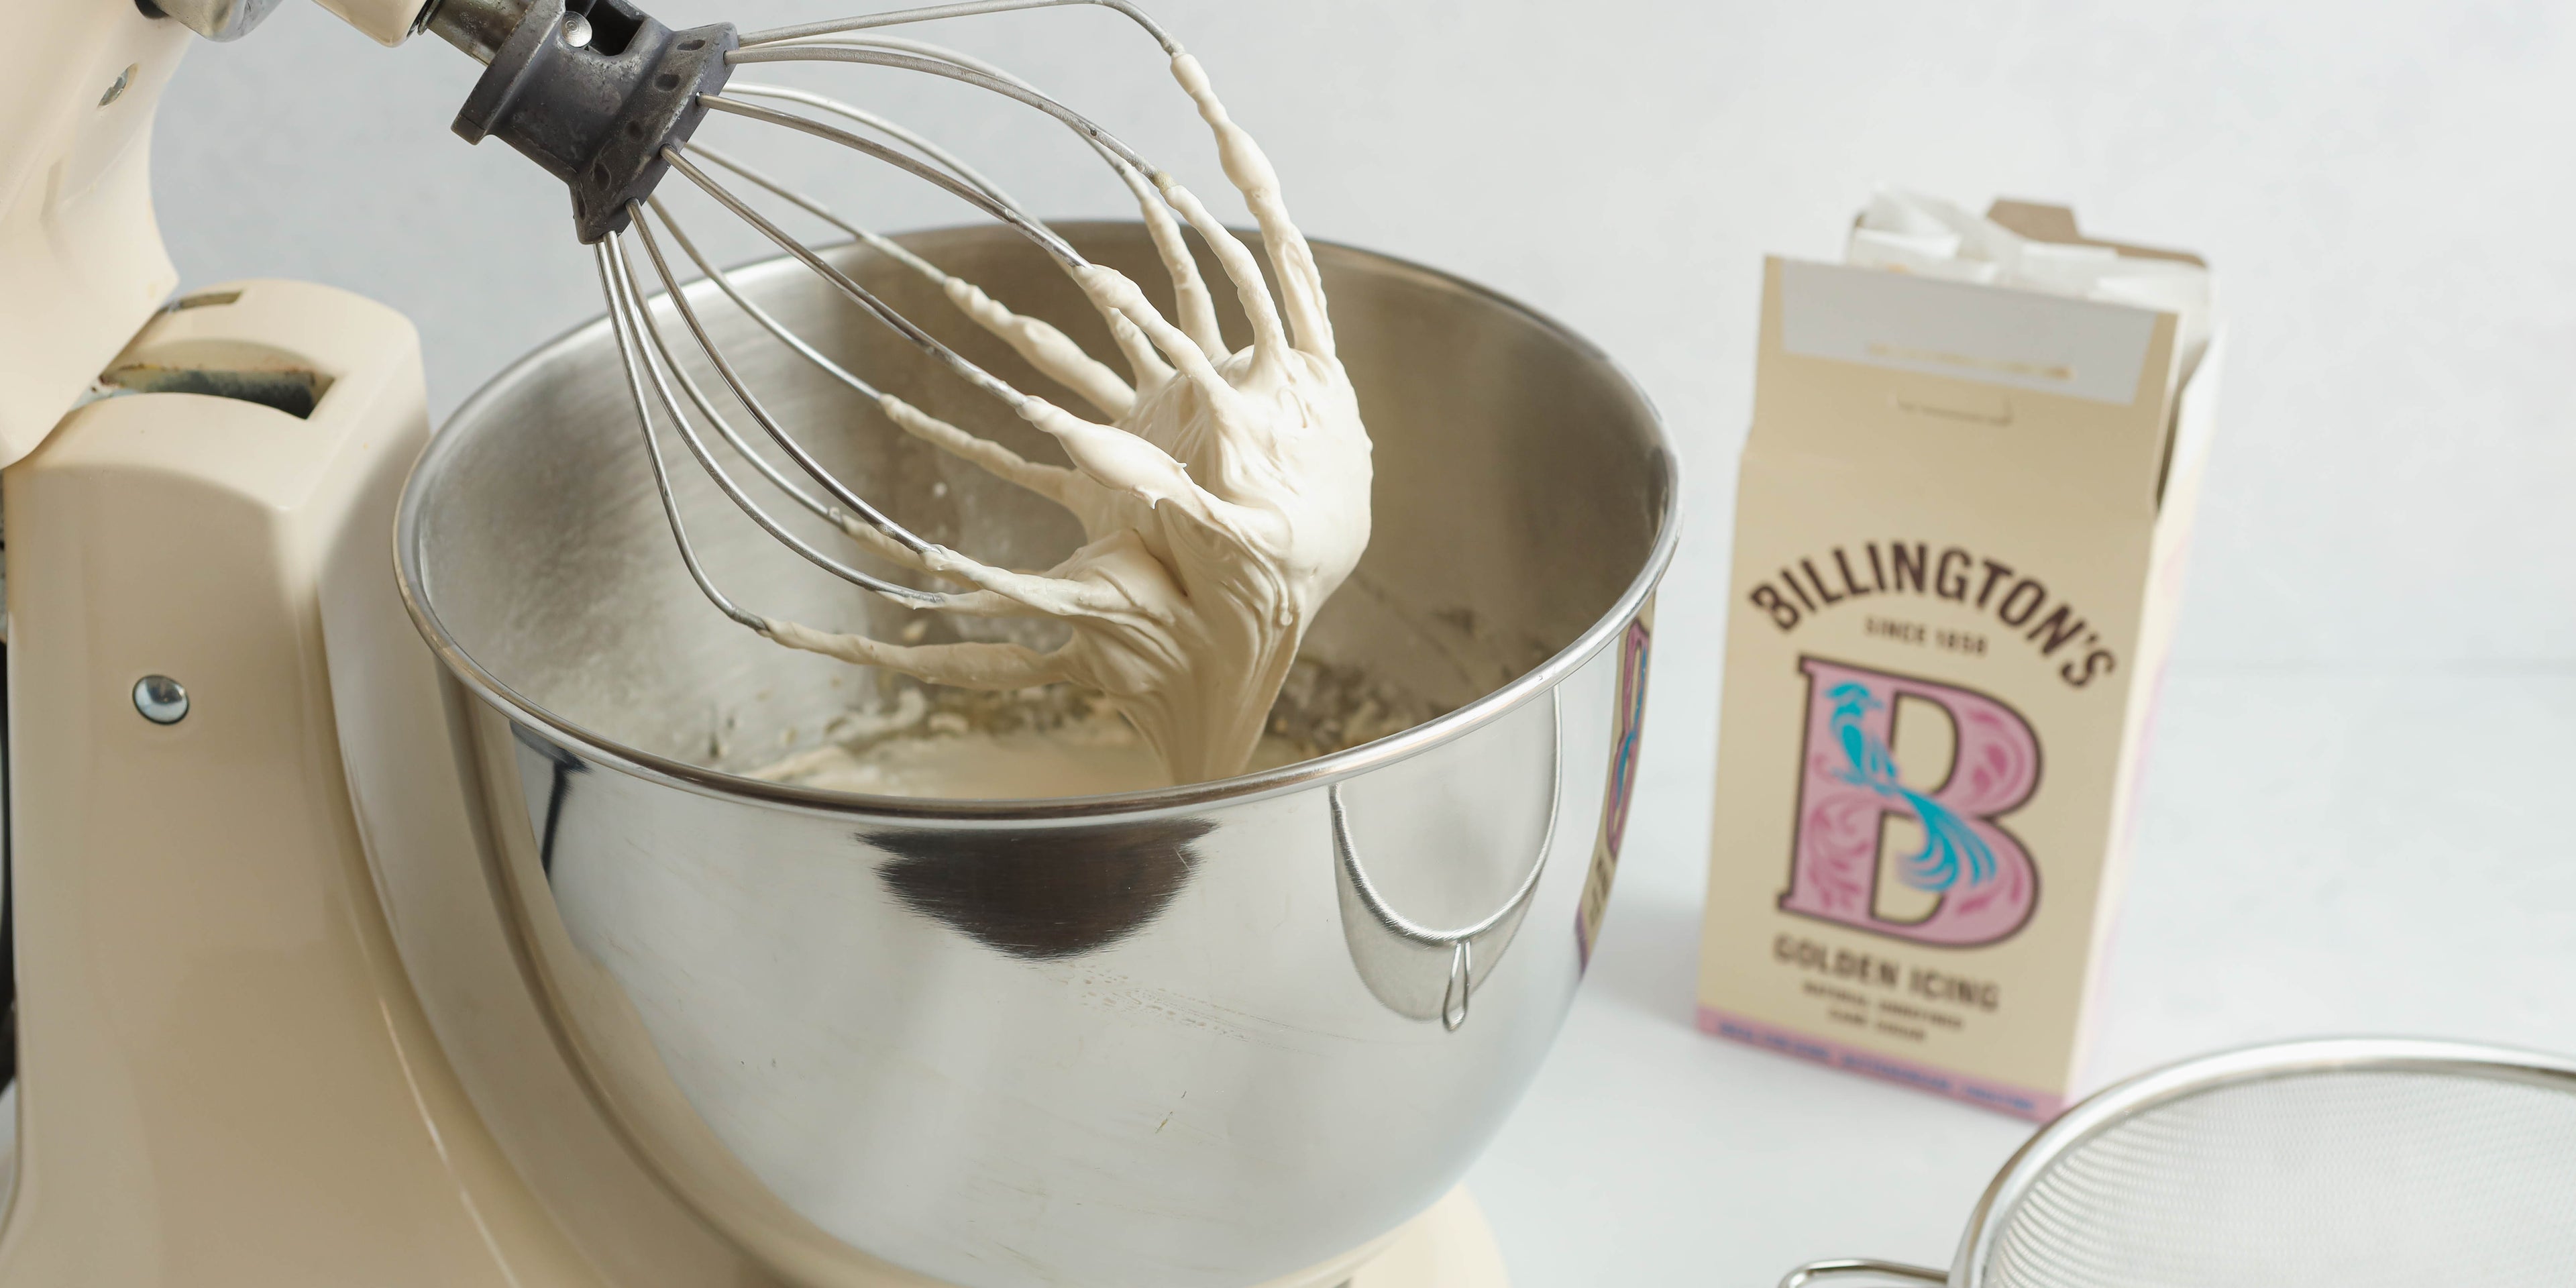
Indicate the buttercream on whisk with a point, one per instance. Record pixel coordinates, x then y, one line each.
1224 498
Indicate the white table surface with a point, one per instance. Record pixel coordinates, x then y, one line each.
2322 854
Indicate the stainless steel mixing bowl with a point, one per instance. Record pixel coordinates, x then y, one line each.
1192 1038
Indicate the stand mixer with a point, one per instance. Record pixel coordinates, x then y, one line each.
407 921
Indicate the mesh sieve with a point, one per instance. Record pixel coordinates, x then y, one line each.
2353 1163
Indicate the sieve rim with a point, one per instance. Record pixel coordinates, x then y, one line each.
2239 1066
1158 802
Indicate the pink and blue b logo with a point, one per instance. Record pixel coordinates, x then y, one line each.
1981 876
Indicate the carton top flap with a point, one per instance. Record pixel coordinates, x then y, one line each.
2063 394
2042 222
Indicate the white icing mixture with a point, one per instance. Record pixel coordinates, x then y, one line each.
1224 496
911 750
1058 740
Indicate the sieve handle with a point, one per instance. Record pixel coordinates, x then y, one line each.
1859 1267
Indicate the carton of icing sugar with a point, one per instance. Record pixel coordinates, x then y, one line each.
1959 538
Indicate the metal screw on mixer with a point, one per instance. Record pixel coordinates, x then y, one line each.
161 700
116 88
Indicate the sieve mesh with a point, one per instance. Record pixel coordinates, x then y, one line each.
2354 1178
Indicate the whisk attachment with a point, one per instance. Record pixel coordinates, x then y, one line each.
614 283
609 100
650 363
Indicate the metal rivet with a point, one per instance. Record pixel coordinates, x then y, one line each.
576 30
123 79
162 700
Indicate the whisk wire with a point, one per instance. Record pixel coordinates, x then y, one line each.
605 254
1198 317
842 282
1158 198
777 432
1044 346
1083 374
706 407
641 319
752 309
885 246
1027 226
941 53
1008 88
776 35
891 129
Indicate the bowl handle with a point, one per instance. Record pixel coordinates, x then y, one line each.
1460 942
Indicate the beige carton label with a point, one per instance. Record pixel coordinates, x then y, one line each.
2009 338
1627 730
1928 722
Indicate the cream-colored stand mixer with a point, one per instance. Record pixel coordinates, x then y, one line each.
365 941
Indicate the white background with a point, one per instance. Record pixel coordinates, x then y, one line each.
2350 821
